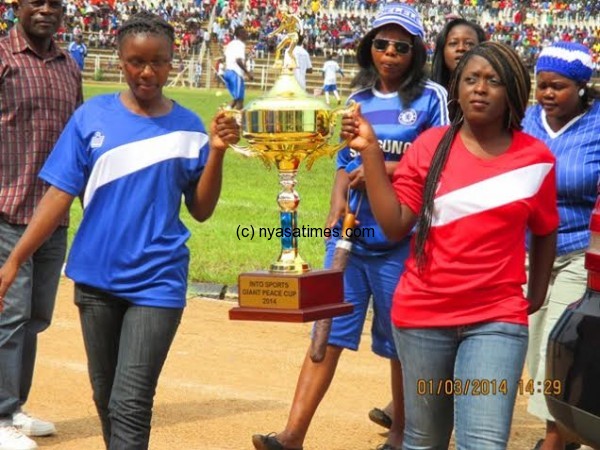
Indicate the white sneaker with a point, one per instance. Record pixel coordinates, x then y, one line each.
13 439
31 426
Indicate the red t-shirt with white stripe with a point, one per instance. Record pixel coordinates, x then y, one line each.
475 249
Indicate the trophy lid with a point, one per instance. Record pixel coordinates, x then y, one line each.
286 95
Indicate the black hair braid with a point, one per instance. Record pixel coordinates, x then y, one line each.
145 23
505 61
431 181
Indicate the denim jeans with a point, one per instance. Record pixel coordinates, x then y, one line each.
464 378
126 347
28 308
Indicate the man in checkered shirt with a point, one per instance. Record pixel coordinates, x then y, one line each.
40 87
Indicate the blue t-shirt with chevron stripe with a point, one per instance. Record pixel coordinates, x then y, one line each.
130 172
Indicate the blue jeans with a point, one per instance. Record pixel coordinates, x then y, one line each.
126 347
28 308
464 378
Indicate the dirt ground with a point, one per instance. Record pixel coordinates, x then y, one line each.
223 381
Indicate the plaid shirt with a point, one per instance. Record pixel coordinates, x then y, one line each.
37 98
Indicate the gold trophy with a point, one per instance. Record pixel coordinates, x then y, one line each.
284 128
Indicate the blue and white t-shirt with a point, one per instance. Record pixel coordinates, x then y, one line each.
130 173
577 150
396 128
330 71
78 51
235 50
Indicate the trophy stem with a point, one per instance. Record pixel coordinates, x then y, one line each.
288 200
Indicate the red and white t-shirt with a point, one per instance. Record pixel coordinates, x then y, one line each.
475 250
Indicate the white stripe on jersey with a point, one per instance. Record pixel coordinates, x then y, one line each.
488 194
135 156
442 95
554 134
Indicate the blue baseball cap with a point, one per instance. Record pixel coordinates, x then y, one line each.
400 14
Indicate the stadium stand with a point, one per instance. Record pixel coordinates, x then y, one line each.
330 26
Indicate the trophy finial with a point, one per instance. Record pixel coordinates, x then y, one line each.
292 27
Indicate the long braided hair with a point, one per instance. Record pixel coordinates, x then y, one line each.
509 67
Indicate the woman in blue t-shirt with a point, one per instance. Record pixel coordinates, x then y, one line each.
567 119
130 157
400 102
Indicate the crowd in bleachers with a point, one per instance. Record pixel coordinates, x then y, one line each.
99 20
335 26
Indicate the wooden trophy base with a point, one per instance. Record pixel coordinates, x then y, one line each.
305 297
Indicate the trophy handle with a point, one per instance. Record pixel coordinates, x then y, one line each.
250 153
327 148
241 149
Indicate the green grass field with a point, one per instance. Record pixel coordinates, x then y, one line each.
248 199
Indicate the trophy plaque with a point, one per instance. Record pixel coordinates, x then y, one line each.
285 128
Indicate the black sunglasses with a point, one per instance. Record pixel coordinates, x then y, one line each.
401 47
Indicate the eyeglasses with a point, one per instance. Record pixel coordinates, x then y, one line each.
401 47
154 65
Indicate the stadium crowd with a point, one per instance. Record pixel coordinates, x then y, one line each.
335 26
527 26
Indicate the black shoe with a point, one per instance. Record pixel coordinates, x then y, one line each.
269 442
380 417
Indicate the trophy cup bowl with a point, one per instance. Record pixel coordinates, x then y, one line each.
283 129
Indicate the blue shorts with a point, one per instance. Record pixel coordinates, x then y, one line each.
367 276
330 88
235 84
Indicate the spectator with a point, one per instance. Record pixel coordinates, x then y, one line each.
456 38
387 96
567 119
78 51
40 89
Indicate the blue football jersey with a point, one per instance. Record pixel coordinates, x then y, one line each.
396 128
130 172
577 150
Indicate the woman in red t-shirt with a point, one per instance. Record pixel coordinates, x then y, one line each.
472 190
